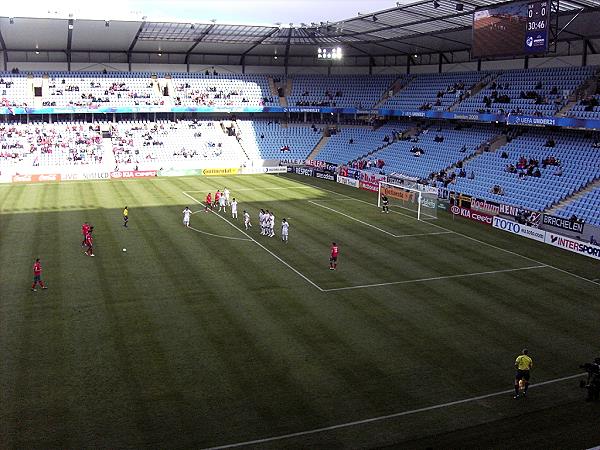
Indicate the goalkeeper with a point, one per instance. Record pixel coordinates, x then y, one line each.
385 204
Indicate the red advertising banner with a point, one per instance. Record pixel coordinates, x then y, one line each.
133 174
42 178
473 215
368 186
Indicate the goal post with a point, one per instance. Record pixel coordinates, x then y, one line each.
422 204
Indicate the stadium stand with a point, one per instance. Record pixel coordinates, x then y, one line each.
350 91
571 164
533 91
584 207
268 139
436 92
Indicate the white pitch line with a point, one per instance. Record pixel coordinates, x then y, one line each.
267 189
353 218
387 417
261 246
219 236
379 229
444 277
465 236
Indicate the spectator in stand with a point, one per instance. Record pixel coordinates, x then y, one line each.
497 189
471 175
558 172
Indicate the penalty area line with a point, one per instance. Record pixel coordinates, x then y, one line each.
444 277
377 228
260 245
388 416
592 281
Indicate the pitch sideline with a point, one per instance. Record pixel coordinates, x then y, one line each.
386 417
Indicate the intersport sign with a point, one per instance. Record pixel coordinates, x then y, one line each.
582 248
472 215
522 230
133 174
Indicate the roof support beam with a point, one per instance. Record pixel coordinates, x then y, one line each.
197 41
287 51
69 42
4 53
257 43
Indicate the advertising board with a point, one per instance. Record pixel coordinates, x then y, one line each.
472 215
41 178
220 171
348 181
124 174
582 248
522 230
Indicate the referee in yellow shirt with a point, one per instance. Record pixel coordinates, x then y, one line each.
523 364
125 216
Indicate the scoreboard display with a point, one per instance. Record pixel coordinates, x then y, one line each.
511 29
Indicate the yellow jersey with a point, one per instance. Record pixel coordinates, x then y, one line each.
523 362
125 212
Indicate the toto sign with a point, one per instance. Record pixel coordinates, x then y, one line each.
473 215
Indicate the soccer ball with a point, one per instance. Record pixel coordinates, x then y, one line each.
124 249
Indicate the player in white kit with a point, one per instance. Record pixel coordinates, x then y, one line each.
226 194
234 208
261 221
222 204
285 226
271 223
247 223
186 216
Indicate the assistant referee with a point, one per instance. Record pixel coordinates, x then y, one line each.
523 364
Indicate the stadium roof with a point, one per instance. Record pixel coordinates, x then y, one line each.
417 27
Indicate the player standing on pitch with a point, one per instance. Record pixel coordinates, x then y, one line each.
285 226
247 223
125 217
37 275
208 204
85 229
334 256
234 208
385 204
523 364
186 216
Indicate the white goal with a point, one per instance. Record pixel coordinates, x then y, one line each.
422 204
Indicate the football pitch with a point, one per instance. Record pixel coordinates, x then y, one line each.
219 337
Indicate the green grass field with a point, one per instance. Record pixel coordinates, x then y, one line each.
212 337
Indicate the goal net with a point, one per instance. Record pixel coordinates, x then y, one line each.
412 201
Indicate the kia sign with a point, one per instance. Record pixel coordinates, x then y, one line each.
522 230
572 245
473 215
133 174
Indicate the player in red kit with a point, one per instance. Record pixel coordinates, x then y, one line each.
89 241
208 202
85 229
37 275
217 197
334 256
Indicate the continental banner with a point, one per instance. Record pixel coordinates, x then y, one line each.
179 172
220 172
397 193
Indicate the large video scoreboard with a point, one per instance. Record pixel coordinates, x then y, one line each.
511 29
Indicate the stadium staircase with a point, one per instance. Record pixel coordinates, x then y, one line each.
238 136
475 89
322 142
494 144
587 88
575 196
397 86
108 156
